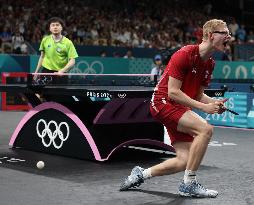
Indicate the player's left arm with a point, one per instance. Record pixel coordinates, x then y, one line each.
68 66
71 54
202 97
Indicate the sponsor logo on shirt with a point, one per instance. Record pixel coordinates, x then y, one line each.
206 74
194 70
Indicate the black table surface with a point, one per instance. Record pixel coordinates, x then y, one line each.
25 87
79 89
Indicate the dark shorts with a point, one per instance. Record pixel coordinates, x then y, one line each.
169 115
45 70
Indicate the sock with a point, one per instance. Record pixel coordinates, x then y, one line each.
189 176
147 173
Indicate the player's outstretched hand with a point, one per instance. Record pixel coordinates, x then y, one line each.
35 77
223 108
212 108
60 73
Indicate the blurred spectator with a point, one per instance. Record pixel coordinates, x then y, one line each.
129 55
250 37
241 34
81 35
198 34
116 55
103 53
208 8
220 56
17 42
233 27
143 24
229 53
158 69
24 49
5 36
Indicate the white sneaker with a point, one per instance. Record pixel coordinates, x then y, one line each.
194 189
134 180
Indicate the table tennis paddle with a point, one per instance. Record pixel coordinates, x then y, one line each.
235 113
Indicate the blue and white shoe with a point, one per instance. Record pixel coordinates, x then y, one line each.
194 189
134 180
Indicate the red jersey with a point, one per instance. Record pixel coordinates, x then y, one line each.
186 66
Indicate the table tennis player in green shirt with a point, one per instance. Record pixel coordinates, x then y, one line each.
57 52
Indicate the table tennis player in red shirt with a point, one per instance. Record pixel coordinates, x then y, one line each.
181 89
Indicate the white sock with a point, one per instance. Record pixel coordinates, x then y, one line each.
147 173
189 176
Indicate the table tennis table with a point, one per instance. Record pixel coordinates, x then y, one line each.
89 118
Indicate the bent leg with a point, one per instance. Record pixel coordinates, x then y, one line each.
194 125
170 166
175 164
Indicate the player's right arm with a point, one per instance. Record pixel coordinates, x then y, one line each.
175 93
40 62
179 65
42 50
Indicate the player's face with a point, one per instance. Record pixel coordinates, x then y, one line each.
55 28
220 37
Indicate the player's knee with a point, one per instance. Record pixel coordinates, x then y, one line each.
207 131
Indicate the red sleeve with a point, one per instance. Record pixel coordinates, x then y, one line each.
207 79
179 64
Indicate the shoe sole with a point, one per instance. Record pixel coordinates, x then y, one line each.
196 196
131 186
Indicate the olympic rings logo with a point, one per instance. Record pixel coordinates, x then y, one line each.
121 95
96 67
52 135
218 94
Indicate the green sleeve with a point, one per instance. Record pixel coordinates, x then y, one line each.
72 53
42 46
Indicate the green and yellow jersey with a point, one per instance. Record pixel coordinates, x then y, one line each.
57 54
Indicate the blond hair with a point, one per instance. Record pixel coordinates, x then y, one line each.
210 26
